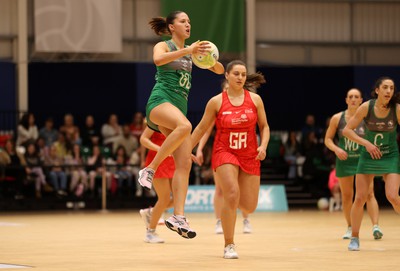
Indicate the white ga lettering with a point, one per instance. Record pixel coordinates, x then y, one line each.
238 140
200 196
350 145
377 138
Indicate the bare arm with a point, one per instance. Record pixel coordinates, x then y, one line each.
162 55
145 140
352 124
262 125
218 68
330 135
207 120
202 143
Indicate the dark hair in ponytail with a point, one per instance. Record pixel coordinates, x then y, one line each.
253 80
160 24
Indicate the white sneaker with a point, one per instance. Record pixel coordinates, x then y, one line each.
218 227
146 216
181 226
354 244
153 238
376 232
230 252
145 179
347 235
246 226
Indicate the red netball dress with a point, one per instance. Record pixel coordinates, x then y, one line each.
167 168
235 139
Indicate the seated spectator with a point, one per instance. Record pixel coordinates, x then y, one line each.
90 134
292 154
27 130
15 167
126 140
34 169
95 167
42 148
137 126
63 145
111 131
122 171
48 133
79 176
70 130
310 126
316 167
58 177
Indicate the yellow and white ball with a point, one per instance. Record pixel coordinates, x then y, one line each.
209 59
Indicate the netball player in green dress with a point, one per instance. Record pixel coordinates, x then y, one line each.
347 155
380 154
167 107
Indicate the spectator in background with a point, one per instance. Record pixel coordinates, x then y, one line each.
34 169
79 176
316 167
48 133
70 129
136 126
111 131
27 130
15 167
126 140
42 148
57 175
122 172
293 154
95 168
90 134
309 126
63 145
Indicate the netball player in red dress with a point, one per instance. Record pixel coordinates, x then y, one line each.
161 183
236 153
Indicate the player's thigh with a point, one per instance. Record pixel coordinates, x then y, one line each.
168 116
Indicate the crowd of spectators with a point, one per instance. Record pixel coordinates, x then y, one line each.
71 160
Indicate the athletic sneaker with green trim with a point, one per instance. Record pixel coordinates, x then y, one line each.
377 232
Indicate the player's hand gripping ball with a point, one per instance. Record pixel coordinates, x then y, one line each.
209 59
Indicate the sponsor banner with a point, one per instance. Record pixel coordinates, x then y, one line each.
271 198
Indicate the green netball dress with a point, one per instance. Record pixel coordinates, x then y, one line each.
173 82
382 133
348 167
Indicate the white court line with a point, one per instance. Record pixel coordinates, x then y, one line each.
4 265
10 224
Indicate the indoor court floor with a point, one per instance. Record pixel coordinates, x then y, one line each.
113 240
